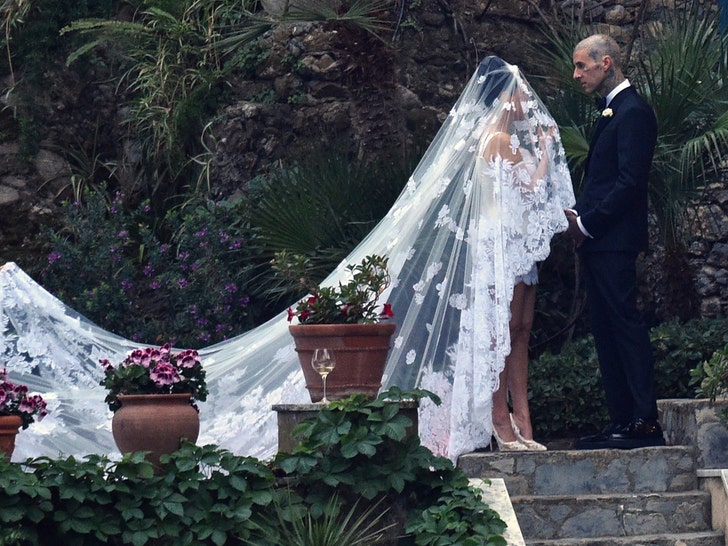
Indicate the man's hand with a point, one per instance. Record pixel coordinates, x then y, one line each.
573 230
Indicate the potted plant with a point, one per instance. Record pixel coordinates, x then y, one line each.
346 318
18 409
153 394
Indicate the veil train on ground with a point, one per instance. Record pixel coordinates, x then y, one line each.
458 235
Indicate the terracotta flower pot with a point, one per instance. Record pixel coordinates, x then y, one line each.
360 351
154 422
9 428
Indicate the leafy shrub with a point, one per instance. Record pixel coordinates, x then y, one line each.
565 390
712 379
203 496
172 72
682 347
320 208
356 450
566 396
183 282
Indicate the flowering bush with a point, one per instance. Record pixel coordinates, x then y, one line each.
356 302
155 371
182 277
15 400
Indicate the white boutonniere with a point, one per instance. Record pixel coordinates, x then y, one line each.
607 113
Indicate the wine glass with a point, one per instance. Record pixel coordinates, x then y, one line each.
323 362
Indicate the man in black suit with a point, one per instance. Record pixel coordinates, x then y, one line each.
609 228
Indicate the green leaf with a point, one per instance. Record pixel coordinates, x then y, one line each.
175 508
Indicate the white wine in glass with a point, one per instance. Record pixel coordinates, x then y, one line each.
323 362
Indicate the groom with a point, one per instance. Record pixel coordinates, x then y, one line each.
609 228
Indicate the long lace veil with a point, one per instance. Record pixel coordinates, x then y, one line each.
468 222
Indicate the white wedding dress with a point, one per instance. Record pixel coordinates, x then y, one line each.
464 228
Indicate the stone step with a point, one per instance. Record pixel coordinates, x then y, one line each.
613 515
706 538
599 471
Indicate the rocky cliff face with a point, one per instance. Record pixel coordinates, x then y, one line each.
320 85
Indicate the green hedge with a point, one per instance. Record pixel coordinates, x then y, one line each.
566 396
355 461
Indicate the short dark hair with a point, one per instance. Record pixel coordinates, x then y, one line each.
598 46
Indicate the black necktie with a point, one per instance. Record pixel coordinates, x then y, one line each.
600 103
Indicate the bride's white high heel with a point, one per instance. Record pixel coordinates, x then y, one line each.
515 445
530 445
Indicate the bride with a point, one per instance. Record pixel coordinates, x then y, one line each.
469 222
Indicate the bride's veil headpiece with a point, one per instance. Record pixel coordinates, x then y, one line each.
468 223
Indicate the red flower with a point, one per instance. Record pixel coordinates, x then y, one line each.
387 311
355 302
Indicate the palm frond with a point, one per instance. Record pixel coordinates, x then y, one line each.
356 527
683 75
107 27
242 34
366 14
321 208
706 152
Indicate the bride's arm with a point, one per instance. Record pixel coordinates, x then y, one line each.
499 145
544 142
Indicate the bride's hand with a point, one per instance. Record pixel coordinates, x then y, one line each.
545 138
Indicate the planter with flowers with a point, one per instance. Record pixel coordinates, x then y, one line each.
153 395
347 319
18 409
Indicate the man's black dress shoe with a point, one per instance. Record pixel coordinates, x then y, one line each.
600 440
640 433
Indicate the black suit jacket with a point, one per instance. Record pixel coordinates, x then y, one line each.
613 203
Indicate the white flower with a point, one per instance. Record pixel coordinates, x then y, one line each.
433 270
410 357
607 113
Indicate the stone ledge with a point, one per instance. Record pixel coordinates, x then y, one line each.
716 483
696 423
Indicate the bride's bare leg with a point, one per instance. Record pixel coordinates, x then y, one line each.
522 314
501 414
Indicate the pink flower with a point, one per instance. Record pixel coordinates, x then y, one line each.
137 356
188 358
33 404
20 390
14 400
163 374
156 354
106 364
155 370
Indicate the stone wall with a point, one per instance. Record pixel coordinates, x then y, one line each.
708 251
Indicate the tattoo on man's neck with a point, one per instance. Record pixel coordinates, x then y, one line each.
610 82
